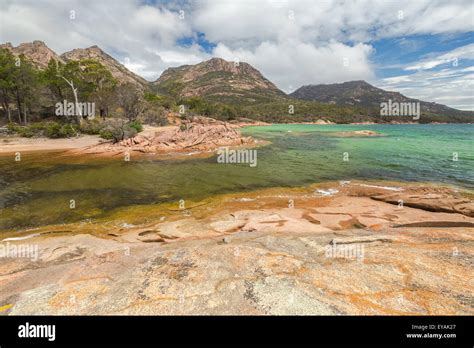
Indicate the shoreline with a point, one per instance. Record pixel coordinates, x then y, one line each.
213 136
324 190
12 144
247 253
75 146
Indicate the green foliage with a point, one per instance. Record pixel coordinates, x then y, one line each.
92 126
151 97
7 72
106 133
26 132
204 107
118 132
48 129
130 100
165 101
57 130
154 115
18 85
12 128
50 77
23 89
136 125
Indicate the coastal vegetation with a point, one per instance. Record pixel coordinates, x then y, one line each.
122 101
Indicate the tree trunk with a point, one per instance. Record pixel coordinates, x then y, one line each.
24 115
74 91
78 109
6 107
18 103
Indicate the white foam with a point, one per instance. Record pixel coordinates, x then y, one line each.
21 238
383 187
328 192
244 199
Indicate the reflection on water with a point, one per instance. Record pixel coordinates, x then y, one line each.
38 189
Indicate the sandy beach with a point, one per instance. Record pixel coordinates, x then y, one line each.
12 144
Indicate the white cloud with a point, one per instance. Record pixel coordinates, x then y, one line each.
291 42
290 64
250 22
128 30
453 57
452 87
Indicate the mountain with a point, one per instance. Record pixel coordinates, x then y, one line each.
118 71
37 52
361 93
219 80
240 90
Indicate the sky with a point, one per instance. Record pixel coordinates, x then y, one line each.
421 48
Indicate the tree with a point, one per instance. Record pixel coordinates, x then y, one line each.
130 100
26 85
86 80
18 84
7 80
51 78
98 84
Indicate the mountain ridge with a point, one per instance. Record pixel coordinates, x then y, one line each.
118 70
39 54
361 93
36 51
217 79
240 84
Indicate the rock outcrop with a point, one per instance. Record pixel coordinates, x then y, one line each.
249 254
200 134
435 199
359 133
36 52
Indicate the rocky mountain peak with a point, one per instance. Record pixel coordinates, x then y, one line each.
216 77
37 52
118 71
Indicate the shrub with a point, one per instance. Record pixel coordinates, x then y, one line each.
154 115
136 125
118 132
57 130
92 127
106 133
12 128
25 132
128 132
48 129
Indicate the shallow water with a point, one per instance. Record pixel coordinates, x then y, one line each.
38 190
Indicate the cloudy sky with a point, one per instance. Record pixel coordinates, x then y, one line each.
422 48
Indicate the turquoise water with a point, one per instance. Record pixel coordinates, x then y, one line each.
38 189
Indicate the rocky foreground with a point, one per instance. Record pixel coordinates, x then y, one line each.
340 248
